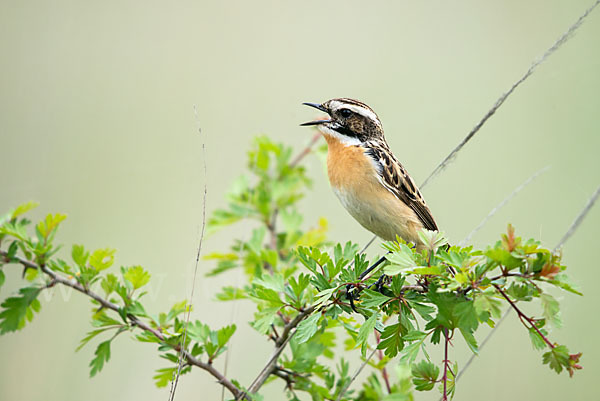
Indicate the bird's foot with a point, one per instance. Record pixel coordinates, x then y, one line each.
352 295
379 284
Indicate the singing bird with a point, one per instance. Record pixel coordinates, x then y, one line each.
365 175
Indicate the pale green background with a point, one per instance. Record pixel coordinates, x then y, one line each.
97 121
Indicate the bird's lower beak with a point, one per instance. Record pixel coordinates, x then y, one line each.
316 122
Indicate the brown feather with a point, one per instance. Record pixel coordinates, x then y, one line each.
399 182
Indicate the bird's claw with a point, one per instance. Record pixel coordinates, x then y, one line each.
379 284
350 296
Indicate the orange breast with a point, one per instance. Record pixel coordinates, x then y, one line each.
356 183
347 166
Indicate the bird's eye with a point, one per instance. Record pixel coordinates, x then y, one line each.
345 113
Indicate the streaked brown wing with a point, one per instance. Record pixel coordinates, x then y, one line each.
397 181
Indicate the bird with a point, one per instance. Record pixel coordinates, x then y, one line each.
370 182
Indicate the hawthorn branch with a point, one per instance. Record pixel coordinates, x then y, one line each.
133 320
280 344
570 231
355 375
384 372
523 316
282 340
445 376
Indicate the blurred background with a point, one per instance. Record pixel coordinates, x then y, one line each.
97 121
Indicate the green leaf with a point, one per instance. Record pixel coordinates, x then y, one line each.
307 328
137 276
424 310
101 319
536 340
503 257
23 208
425 375
198 331
264 319
557 358
370 299
102 355
19 308
177 309
414 335
324 296
410 352
225 262
137 309
46 227
274 282
15 230
299 285
366 329
486 302
432 239
561 281
427 270
2 278
89 336
291 220
467 315
470 340
79 255
109 283
231 294
102 259
31 274
224 334
551 309
267 294
391 340
400 260
164 376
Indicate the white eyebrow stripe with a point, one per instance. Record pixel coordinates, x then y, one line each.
335 105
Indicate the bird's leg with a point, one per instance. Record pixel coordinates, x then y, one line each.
350 296
371 268
379 283
350 287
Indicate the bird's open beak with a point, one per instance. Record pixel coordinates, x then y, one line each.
316 122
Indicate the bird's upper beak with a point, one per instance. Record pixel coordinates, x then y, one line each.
318 107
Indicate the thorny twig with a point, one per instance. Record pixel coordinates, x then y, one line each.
570 231
133 320
280 344
287 333
522 316
356 373
445 376
384 372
